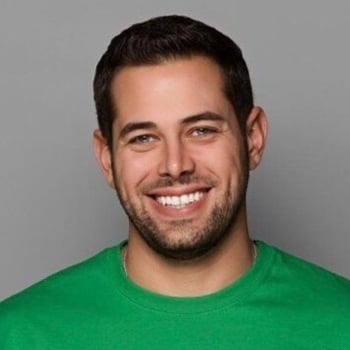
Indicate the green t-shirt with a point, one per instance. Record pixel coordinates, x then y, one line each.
281 302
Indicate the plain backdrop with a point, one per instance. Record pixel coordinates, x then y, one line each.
55 208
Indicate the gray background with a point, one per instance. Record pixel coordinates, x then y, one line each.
54 206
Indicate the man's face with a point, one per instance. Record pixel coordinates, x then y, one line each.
179 161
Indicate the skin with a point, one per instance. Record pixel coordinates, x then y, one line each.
176 133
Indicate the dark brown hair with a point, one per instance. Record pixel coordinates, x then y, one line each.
164 38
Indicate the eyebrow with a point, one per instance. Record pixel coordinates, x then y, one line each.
203 116
136 126
132 126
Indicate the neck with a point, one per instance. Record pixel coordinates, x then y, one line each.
225 263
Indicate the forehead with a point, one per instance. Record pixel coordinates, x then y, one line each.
172 89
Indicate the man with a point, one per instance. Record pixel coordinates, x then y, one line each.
178 134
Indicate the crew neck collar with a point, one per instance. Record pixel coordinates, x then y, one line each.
228 296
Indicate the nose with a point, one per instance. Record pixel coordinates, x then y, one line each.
176 160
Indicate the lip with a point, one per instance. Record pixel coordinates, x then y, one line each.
188 211
177 190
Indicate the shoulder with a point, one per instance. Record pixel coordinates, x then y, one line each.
308 279
305 298
46 311
65 286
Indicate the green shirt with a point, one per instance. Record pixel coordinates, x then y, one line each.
281 302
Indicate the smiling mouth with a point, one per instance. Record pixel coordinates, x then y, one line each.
179 202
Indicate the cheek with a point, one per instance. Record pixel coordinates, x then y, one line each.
132 169
228 167
220 159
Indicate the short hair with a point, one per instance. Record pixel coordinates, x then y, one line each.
165 38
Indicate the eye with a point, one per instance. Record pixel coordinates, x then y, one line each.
203 131
142 139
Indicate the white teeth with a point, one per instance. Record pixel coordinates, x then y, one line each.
179 202
184 199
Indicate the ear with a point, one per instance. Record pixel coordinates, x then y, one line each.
256 129
103 156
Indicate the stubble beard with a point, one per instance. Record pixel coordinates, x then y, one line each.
190 242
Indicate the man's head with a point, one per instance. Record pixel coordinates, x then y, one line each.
165 38
178 133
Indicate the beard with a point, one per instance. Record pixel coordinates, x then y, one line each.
182 239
